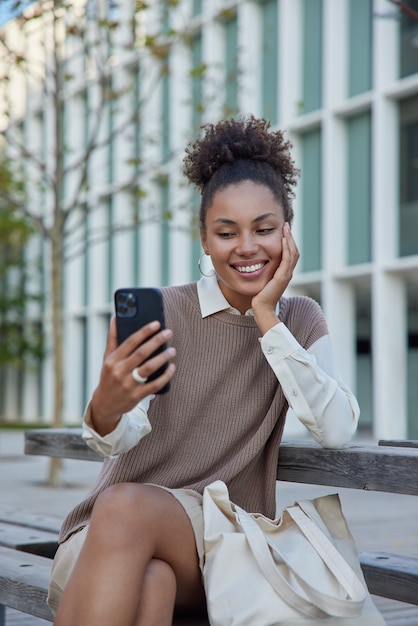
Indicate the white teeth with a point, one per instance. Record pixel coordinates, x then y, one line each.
247 269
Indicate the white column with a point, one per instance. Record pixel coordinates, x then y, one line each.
389 345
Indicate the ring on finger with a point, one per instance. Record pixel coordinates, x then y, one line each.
137 376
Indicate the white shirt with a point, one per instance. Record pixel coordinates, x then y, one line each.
312 386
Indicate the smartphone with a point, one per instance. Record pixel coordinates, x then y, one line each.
135 307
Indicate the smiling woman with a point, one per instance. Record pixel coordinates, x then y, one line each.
244 356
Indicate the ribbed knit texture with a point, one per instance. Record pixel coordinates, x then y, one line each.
224 415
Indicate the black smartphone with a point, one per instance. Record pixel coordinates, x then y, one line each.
135 307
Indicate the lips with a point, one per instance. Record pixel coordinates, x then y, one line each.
250 268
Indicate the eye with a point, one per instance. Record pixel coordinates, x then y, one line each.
225 235
265 231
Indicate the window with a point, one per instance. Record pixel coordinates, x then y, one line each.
269 60
197 82
197 7
311 201
360 47
409 176
312 55
231 66
165 232
412 363
409 41
359 189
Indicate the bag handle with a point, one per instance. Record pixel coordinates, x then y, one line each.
328 605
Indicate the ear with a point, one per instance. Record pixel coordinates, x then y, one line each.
204 242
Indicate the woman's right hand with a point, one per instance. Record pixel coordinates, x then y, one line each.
117 391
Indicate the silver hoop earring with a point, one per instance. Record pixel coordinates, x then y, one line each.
199 265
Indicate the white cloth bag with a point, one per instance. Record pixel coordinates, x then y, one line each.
302 568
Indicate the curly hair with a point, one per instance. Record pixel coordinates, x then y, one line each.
240 149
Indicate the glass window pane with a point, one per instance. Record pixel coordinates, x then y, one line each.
312 55
311 201
360 46
165 233
409 176
197 7
409 41
231 66
197 83
270 61
359 189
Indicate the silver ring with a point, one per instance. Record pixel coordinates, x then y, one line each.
137 376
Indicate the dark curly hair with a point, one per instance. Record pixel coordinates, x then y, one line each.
240 149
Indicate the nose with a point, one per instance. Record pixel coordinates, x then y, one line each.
246 245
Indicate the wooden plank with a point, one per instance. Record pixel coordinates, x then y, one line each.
399 443
391 576
375 468
59 442
371 468
24 582
22 517
28 539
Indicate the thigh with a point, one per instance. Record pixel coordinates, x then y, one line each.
153 517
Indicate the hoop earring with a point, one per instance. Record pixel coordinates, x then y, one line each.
199 265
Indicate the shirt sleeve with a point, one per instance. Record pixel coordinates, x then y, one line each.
132 427
312 386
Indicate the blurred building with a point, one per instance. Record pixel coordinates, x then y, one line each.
341 77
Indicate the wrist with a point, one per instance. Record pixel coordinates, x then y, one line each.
266 318
101 421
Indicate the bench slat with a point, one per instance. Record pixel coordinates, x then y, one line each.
355 466
24 582
59 442
391 576
28 539
23 517
371 468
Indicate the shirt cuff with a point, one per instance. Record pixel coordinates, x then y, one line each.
132 427
278 343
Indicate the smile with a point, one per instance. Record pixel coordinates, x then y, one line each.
249 269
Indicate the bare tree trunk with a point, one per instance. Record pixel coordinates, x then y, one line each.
56 464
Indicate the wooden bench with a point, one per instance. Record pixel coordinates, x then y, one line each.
388 468
28 542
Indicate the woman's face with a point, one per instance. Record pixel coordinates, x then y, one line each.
243 236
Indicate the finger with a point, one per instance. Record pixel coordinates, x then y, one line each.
153 364
137 338
153 386
112 341
146 349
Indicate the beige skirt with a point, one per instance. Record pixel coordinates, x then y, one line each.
67 553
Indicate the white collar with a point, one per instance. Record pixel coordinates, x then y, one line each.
212 300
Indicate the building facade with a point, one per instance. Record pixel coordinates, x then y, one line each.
341 77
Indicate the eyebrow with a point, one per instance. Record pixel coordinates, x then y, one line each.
260 218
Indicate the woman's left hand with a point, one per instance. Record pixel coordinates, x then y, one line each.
264 303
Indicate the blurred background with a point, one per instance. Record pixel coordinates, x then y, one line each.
98 100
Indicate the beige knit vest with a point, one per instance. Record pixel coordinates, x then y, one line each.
224 415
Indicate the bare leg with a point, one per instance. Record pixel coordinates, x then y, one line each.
159 581
132 526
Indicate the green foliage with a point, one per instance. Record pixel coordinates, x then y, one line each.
20 340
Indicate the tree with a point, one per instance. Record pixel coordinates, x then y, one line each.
20 340
60 51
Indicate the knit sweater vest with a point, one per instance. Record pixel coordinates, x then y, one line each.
224 415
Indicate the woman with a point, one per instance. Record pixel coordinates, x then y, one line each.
244 356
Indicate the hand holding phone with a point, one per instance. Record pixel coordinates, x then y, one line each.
135 307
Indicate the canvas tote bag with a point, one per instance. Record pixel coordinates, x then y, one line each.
300 569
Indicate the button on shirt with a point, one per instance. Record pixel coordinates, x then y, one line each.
312 386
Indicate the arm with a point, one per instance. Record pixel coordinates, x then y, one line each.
116 419
312 386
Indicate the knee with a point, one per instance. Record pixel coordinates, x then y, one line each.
160 575
122 509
